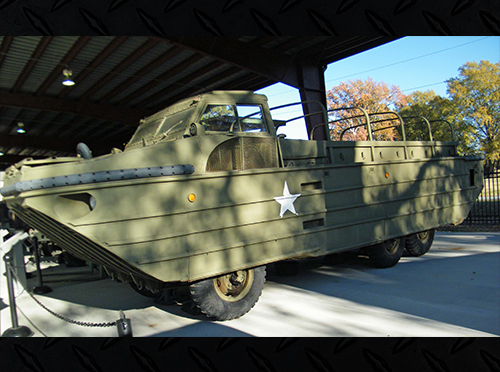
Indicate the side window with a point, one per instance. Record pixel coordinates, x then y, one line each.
219 118
251 118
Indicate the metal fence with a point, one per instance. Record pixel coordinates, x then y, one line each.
486 210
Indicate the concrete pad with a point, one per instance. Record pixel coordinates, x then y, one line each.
452 291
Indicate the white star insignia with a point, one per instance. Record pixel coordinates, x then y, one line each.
286 201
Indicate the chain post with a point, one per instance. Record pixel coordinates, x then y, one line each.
63 318
16 330
23 331
124 326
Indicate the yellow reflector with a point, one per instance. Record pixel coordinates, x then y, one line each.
191 197
387 175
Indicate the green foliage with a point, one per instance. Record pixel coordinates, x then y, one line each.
473 110
437 110
476 95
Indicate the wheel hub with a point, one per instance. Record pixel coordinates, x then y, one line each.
392 246
234 286
423 236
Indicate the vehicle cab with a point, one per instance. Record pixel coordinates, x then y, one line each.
215 113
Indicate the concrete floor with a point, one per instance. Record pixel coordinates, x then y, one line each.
452 291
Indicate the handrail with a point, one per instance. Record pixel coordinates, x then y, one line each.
352 127
365 114
451 128
424 119
370 122
311 133
430 130
384 128
323 111
402 124
303 116
453 137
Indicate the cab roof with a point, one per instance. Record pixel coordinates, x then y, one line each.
216 96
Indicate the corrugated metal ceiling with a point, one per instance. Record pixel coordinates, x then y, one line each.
129 77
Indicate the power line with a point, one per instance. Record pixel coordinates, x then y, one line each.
400 62
410 59
424 86
440 82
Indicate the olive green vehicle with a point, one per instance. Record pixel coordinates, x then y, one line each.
206 194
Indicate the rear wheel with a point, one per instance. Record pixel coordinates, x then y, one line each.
386 254
419 244
229 296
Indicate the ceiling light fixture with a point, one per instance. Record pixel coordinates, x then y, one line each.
20 128
67 73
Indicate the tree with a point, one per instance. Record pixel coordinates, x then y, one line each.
476 96
439 112
372 96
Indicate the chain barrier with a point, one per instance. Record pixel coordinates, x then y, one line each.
76 322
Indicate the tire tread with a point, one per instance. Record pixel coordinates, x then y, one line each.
415 247
379 256
206 299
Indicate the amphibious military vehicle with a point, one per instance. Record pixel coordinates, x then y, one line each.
206 194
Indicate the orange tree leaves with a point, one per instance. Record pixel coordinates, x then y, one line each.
374 97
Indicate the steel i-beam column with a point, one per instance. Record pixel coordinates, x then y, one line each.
312 88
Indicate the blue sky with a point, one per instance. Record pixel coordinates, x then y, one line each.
411 63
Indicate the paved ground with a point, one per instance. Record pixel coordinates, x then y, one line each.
454 290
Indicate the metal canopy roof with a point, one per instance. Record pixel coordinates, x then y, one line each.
121 79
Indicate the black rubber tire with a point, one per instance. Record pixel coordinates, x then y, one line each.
386 254
144 291
207 296
419 244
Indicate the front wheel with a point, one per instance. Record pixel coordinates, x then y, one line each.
386 254
419 244
229 296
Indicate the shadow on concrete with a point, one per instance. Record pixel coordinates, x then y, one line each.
77 285
203 329
453 284
463 290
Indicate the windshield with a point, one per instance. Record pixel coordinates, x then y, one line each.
164 126
146 131
176 122
233 118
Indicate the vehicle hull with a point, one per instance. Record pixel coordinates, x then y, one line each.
148 229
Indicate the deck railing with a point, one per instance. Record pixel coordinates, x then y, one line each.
367 120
